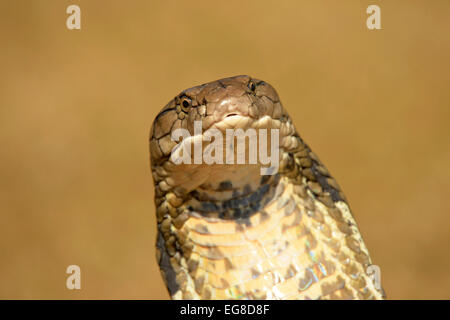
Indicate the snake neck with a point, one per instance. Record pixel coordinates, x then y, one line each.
230 200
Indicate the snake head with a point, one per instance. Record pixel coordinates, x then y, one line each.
199 115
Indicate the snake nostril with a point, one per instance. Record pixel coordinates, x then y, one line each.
232 114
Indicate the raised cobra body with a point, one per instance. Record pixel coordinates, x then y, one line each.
227 232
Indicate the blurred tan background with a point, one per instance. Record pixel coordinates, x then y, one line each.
76 108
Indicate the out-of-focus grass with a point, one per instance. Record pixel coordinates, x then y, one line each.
76 108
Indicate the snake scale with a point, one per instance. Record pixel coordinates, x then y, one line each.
224 231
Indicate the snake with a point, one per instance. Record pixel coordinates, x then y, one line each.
225 230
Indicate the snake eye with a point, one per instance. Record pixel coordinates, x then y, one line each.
252 86
185 104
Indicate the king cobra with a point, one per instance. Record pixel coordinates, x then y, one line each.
225 231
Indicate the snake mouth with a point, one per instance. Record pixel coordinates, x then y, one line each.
233 118
230 120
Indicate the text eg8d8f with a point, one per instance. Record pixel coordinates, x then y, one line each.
246 309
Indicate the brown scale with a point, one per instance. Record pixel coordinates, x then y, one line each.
226 232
